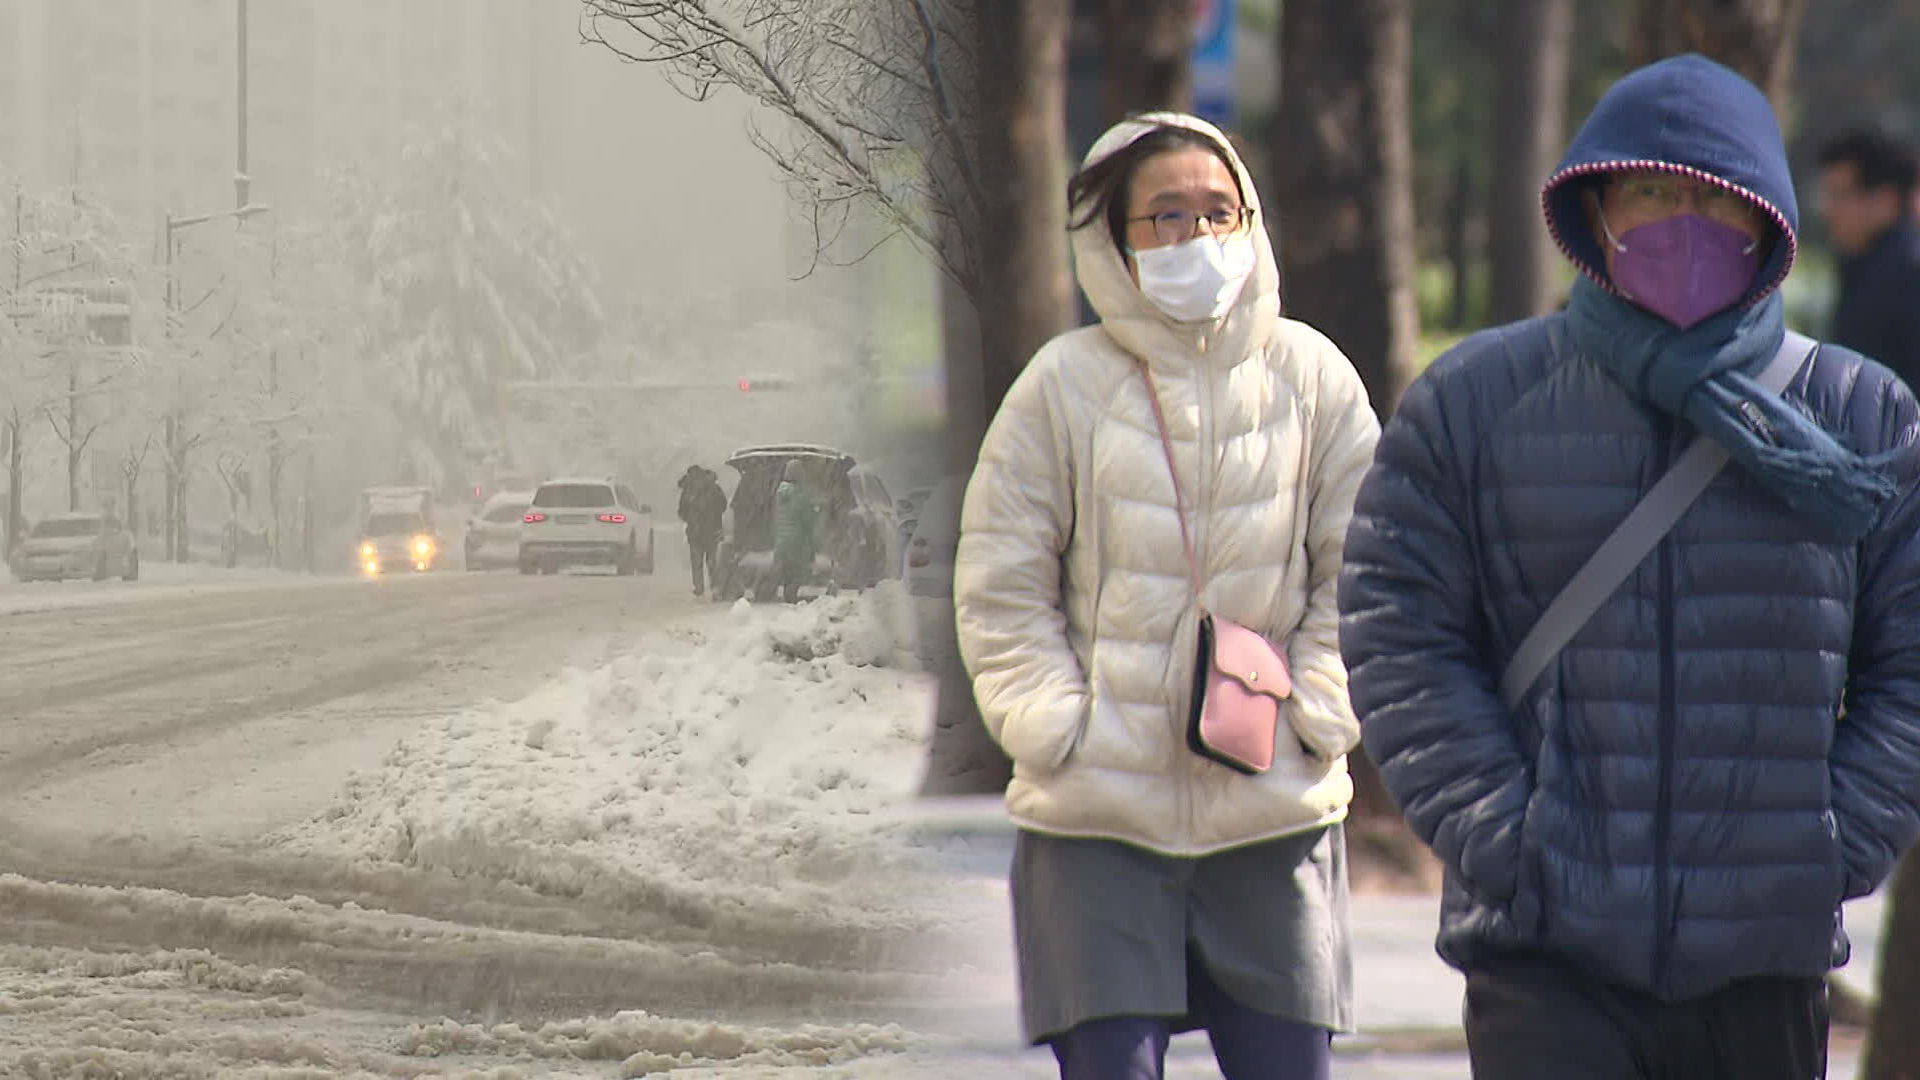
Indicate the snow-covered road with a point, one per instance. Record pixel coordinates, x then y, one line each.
215 707
456 825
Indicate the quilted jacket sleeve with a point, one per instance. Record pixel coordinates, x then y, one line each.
1015 522
1875 759
1344 435
1416 645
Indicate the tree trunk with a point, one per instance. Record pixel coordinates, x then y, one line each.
1021 298
1342 182
276 458
1459 245
1025 293
1753 37
177 452
1146 57
1531 56
15 465
1893 1041
170 490
1342 205
76 446
131 472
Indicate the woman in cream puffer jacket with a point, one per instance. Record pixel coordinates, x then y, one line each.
1155 890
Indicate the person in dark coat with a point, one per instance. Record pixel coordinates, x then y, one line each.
703 507
1867 184
1646 859
795 524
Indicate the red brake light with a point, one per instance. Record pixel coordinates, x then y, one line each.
614 519
534 519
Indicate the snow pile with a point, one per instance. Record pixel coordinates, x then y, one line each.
728 768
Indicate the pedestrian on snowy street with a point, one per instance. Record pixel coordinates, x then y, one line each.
703 506
795 522
1156 889
1867 186
1652 804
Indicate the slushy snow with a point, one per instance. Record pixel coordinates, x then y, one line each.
658 866
735 767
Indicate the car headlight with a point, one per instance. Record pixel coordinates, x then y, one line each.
422 546
367 551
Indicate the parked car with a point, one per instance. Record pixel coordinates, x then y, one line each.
396 540
858 541
77 545
936 537
586 522
493 533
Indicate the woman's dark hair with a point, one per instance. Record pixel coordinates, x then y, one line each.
1104 188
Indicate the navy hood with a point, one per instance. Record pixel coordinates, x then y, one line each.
1687 115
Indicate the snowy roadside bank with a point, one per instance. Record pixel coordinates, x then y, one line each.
738 766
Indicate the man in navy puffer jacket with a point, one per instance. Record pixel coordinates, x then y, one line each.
1646 860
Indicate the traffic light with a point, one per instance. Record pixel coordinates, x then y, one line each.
746 386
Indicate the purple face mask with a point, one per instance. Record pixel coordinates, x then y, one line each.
1684 268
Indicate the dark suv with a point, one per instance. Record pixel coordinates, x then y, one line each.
858 542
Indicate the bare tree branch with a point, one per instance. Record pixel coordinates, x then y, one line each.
872 121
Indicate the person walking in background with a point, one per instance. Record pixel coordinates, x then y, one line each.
1868 182
1190 460
1652 804
795 523
703 506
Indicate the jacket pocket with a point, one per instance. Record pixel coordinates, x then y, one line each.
1044 738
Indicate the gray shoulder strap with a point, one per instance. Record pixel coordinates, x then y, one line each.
1651 518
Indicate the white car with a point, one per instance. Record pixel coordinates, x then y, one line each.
586 522
936 538
77 546
493 534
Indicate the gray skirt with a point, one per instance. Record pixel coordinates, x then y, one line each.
1103 928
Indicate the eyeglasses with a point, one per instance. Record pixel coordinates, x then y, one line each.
1663 195
1179 226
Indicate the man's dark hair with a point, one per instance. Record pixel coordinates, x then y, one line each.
1103 188
1879 160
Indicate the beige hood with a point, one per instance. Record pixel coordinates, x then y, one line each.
1134 321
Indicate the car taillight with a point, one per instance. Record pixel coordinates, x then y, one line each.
614 519
534 519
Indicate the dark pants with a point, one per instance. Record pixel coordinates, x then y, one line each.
703 554
1530 1017
1248 1045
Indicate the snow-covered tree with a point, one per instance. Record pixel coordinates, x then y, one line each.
75 299
471 287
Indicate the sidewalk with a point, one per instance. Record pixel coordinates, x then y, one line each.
1408 1001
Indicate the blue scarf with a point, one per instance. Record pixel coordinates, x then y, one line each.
1704 375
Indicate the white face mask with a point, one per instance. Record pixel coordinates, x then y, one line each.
1199 279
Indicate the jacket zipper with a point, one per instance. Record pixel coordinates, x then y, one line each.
1203 480
1663 810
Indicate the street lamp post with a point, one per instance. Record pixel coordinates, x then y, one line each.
243 208
175 434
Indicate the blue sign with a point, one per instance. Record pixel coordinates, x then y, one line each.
1213 94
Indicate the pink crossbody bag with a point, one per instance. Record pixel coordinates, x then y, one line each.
1240 678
